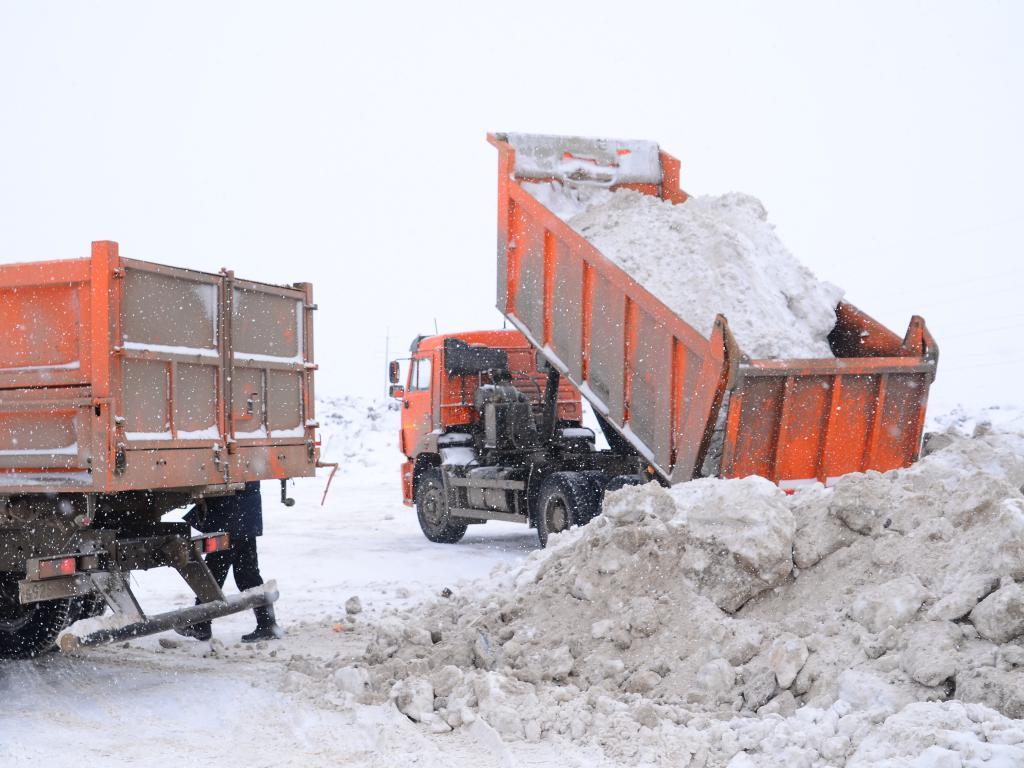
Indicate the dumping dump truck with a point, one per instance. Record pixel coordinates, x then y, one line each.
491 431
127 390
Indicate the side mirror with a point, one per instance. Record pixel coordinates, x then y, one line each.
396 391
393 372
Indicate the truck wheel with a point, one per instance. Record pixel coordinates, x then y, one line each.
623 481
28 630
596 481
88 607
432 510
565 500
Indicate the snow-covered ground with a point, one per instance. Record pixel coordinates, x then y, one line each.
167 699
224 703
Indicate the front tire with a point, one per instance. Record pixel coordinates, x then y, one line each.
432 510
566 499
28 630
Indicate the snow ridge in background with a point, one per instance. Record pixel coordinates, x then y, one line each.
361 435
710 255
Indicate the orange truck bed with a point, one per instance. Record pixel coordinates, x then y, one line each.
120 375
660 382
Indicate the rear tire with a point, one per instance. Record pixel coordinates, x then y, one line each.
566 499
89 607
596 481
623 481
432 510
28 630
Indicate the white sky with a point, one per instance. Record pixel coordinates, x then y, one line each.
344 144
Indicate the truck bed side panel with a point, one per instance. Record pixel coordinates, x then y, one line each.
271 390
800 427
661 382
114 373
636 362
49 432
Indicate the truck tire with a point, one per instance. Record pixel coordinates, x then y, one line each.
596 481
432 510
28 630
566 499
88 607
623 481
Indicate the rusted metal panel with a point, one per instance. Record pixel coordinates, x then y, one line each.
607 340
567 310
118 376
272 359
814 426
651 399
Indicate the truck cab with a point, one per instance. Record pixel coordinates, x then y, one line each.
484 421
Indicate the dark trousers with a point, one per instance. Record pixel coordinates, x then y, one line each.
242 559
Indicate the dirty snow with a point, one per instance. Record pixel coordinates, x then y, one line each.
681 622
710 255
719 623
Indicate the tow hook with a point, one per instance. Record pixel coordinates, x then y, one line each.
285 499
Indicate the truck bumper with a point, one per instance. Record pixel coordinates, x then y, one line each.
106 573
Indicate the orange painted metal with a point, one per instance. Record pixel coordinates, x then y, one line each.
115 375
663 384
448 401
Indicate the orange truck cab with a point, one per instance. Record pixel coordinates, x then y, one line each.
484 422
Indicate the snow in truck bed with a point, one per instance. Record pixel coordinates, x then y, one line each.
710 255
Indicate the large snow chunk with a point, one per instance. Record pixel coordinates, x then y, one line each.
1000 616
930 654
1002 690
965 592
787 657
738 537
891 604
414 698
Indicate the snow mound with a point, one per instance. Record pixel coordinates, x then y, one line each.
710 255
729 623
360 434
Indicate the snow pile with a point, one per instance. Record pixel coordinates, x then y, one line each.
973 422
360 434
877 622
711 255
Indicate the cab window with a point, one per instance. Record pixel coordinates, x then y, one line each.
419 381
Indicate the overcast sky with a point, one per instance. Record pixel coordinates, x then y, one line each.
345 144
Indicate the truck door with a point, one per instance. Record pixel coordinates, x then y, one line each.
417 405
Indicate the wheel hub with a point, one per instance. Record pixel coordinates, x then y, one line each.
433 509
557 516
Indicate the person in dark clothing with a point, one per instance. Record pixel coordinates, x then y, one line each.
239 515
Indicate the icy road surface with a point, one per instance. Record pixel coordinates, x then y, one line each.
238 705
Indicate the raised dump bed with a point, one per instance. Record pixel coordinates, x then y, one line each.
659 382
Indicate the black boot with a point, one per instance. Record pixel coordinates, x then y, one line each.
200 630
266 626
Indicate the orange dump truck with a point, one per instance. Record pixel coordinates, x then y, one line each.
128 389
660 388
